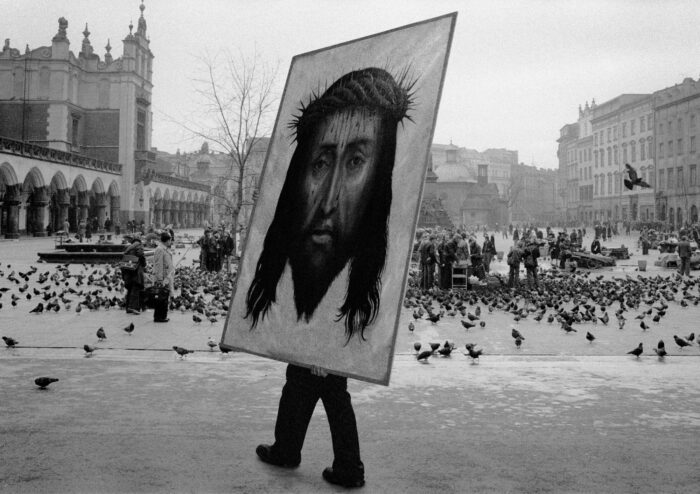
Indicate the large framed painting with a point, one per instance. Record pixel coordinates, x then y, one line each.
322 276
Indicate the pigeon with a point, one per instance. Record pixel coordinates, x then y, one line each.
681 342
434 318
473 353
101 335
690 337
660 349
434 346
482 324
130 328
637 351
518 341
411 327
196 318
516 334
211 344
223 349
634 178
417 346
605 319
423 356
467 325
643 326
182 351
43 382
445 351
38 309
10 342
590 337
89 349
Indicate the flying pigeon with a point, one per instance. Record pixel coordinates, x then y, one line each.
633 178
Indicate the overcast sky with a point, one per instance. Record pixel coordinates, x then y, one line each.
517 72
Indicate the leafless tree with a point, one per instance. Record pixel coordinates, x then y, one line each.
237 101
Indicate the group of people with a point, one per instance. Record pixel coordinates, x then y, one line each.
440 252
216 248
163 273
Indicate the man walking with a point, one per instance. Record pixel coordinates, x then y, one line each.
164 273
684 253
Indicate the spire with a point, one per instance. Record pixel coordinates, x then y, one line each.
86 50
141 29
62 26
108 55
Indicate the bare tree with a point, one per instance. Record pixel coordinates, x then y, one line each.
237 104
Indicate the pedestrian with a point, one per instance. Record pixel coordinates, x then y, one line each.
108 224
301 392
428 260
595 246
164 277
203 243
117 227
81 230
134 278
684 253
532 252
513 260
66 227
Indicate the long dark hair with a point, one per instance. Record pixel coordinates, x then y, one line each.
375 91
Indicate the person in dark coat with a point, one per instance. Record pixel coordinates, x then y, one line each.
133 280
428 260
595 246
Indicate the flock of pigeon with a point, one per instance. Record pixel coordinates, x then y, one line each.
574 301
91 289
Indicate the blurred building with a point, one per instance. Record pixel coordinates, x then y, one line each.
534 194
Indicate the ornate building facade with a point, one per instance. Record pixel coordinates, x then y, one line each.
75 138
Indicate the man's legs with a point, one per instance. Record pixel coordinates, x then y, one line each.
160 312
299 397
341 419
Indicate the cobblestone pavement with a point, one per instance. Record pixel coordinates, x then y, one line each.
559 415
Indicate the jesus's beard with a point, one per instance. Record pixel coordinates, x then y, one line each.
312 279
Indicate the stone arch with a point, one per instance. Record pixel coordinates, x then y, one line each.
33 215
79 184
8 175
79 202
59 201
9 194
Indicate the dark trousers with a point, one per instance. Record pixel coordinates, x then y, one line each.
299 397
133 297
160 306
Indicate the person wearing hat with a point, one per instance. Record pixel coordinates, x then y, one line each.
164 274
133 279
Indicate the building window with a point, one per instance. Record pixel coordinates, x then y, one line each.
692 144
641 151
641 124
693 175
624 129
670 149
680 125
680 146
680 177
141 130
609 156
75 134
692 120
633 151
615 154
609 134
650 149
661 179
595 138
624 153
661 128
670 126
632 127
610 183
661 150
669 178
602 185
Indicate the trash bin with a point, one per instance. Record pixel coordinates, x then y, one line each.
642 265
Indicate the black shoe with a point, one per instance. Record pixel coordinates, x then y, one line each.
264 452
161 320
344 480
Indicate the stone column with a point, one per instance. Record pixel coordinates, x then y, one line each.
63 205
11 204
83 204
39 212
182 213
114 209
167 213
158 212
101 203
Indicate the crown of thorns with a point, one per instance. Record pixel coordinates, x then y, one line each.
371 88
